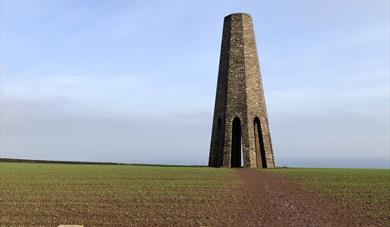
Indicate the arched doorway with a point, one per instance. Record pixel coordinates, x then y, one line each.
236 143
261 160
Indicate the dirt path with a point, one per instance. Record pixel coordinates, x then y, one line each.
269 200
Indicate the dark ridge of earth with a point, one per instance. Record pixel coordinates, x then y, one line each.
266 199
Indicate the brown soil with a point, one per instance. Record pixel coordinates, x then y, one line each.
265 199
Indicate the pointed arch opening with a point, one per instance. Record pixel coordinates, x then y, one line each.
236 157
261 160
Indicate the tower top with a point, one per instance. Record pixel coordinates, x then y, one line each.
239 14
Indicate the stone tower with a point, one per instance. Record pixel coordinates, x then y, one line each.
240 134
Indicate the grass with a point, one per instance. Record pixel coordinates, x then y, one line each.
52 194
368 189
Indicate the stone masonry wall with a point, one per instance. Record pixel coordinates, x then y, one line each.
239 94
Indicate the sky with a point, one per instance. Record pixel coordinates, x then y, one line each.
135 81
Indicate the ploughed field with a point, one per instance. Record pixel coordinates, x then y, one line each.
126 195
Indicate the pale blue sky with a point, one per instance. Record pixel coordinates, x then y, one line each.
134 81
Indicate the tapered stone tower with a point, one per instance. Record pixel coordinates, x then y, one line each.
240 134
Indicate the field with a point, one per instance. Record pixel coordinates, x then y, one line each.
52 194
366 189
